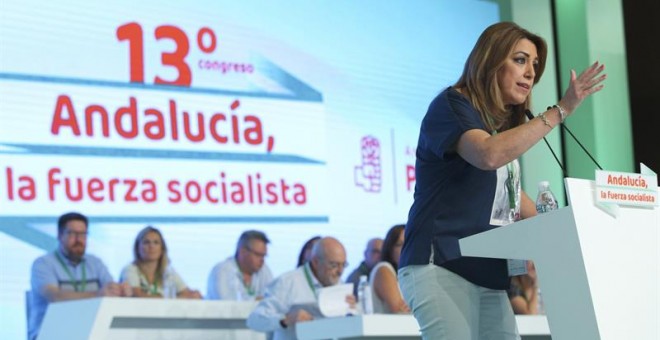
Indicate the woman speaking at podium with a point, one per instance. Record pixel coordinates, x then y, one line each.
468 181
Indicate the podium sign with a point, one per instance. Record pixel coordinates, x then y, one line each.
599 274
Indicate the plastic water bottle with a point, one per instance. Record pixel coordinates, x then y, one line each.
540 308
364 296
546 200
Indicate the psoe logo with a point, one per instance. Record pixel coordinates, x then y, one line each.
368 174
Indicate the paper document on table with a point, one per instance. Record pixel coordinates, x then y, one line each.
332 300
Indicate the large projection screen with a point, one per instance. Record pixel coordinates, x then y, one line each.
208 118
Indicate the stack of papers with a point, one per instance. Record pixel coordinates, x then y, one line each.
332 300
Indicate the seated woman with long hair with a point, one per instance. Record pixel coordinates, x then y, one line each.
150 274
387 297
523 292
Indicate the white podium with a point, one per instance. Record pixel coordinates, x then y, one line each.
599 275
141 318
373 326
396 326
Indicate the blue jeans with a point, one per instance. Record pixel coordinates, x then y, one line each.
449 307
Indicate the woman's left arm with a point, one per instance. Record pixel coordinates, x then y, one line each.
182 290
189 294
386 287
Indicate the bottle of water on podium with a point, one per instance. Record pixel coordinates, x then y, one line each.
540 307
546 200
364 296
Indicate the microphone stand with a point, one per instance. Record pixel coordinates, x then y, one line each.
530 116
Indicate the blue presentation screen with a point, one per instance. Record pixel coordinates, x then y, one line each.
207 118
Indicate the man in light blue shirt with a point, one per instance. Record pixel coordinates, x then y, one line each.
68 273
244 276
283 304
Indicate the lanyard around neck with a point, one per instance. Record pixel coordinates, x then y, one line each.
510 185
510 182
74 282
151 288
308 276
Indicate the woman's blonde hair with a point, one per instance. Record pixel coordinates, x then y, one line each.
480 75
163 261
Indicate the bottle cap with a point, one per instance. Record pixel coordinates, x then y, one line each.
544 185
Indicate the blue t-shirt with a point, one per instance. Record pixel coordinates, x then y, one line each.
453 199
47 270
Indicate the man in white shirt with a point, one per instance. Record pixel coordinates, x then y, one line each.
280 310
244 276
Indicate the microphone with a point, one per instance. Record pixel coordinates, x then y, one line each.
530 116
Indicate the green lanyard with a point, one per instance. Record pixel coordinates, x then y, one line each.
68 272
251 291
151 289
511 190
308 276
511 175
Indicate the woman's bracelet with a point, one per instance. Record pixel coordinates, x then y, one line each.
562 112
544 119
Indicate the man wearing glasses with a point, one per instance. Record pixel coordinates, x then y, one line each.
68 273
244 276
288 296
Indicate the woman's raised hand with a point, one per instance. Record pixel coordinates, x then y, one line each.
582 86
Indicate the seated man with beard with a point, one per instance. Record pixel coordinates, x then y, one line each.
68 273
